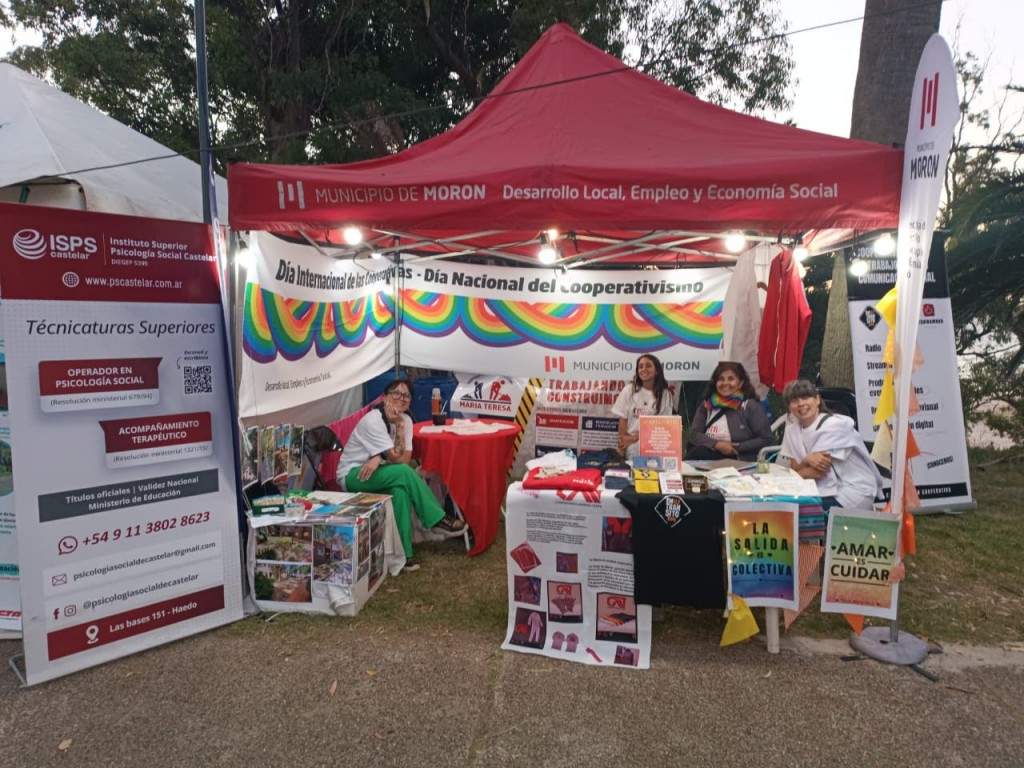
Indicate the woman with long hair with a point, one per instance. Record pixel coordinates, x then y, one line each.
648 394
729 423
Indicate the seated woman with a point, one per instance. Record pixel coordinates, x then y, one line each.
730 423
646 395
376 459
827 448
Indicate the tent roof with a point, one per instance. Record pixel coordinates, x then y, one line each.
574 139
45 134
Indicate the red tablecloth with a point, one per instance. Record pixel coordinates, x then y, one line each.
474 467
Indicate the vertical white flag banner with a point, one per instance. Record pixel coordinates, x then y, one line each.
934 113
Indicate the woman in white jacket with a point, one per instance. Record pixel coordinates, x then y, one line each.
827 448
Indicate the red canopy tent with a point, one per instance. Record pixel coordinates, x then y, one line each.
574 139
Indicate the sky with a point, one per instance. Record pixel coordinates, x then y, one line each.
826 59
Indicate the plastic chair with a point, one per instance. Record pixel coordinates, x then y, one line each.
329 460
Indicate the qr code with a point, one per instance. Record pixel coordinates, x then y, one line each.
198 379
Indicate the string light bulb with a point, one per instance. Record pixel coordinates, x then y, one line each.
885 245
547 254
352 235
800 252
859 267
735 242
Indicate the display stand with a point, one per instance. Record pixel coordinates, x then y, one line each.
890 645
771 629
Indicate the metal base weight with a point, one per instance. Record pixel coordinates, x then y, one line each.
876 643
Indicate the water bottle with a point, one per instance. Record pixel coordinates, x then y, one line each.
435 400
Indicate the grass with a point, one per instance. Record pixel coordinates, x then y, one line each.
966 583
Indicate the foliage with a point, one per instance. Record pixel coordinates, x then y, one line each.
341 80
984 193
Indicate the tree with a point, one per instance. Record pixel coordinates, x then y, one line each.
340 80
893 35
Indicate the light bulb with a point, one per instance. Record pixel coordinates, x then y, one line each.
859 267
735 242
352 235
885 245
547 254
800 253
552 234
375 255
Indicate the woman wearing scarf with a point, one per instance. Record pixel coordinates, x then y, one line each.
730 423
827 448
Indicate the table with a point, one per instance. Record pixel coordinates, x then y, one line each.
570 579
329 560
679 548
475 468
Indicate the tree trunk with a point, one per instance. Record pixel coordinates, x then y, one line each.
892 38
836 345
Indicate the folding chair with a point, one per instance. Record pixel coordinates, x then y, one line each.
342 430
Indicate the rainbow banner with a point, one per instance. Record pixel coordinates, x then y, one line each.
761 545
861 564
313 324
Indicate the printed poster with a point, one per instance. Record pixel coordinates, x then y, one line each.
10 600
761 548
570 572
941 472
330 560
860 554
119 387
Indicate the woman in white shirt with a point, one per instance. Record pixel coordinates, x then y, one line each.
648 394
376 458
827 448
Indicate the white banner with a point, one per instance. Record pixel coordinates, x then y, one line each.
117 557
941 473
514 321
10 602
934 113
570 579
312 325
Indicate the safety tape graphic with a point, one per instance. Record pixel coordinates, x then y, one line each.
526 403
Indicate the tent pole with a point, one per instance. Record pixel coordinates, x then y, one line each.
205 156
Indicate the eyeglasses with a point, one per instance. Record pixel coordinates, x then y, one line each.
400 395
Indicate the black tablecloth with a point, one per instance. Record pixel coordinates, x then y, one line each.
677 548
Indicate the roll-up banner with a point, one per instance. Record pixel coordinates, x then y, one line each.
119 387
941 472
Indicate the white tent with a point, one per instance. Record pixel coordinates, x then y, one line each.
49 141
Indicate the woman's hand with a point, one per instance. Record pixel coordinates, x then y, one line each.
727 449
819 462
369 467
394 415
626 440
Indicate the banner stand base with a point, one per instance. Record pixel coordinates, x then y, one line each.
13 664
875 643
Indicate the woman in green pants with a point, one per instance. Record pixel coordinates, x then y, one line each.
376 459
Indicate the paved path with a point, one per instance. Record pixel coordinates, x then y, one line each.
312 692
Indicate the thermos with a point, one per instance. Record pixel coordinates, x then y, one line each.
435 400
